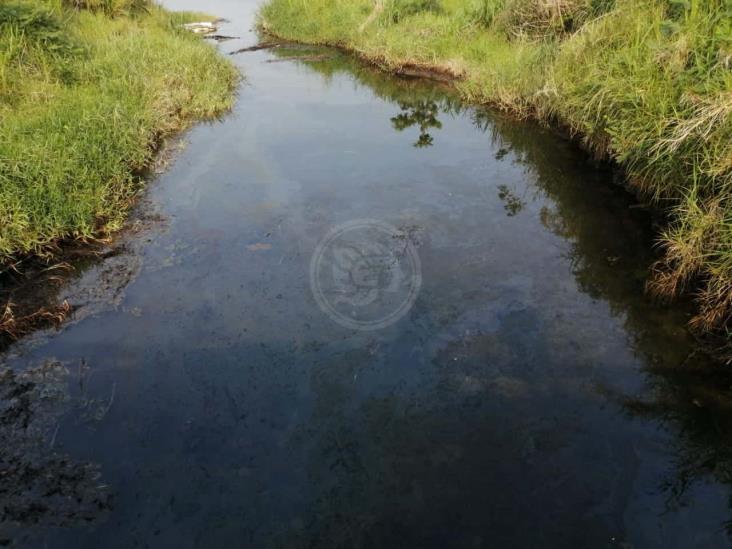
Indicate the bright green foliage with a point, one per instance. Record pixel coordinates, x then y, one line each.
85 97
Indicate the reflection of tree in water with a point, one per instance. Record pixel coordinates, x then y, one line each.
421 101
511 203
699 414
420 113
424 465
610 247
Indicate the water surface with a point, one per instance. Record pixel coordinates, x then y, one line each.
531 396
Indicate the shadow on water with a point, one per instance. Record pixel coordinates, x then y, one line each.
609 234
610 249
519 404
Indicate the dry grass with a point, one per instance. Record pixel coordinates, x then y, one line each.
542 19
15 327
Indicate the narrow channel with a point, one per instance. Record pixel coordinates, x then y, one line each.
516 388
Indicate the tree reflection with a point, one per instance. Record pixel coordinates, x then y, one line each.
420 101
610 248
511 203
420 113
699 413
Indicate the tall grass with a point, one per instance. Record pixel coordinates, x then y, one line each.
647 83
87 90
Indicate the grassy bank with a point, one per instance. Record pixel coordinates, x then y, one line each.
88 88
647 83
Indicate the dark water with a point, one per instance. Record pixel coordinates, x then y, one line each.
530 396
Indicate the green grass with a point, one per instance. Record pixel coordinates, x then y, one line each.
88 88
647 83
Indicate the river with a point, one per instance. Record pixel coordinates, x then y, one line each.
366 315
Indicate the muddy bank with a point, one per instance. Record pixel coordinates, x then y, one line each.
77 278
429 71
89 279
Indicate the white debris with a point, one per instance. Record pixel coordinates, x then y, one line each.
200 27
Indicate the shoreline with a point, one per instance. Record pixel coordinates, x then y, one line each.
79 159
688 267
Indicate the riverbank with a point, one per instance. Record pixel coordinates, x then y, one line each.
646 84
88 91
530 366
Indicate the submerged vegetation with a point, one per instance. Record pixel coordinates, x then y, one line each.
88 88
647 83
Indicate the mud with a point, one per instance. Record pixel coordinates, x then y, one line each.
81 277
41 486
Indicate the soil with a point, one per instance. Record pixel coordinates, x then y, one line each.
42 486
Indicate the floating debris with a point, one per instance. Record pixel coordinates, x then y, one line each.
257 48
220 37
259 246
310 58
200 27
